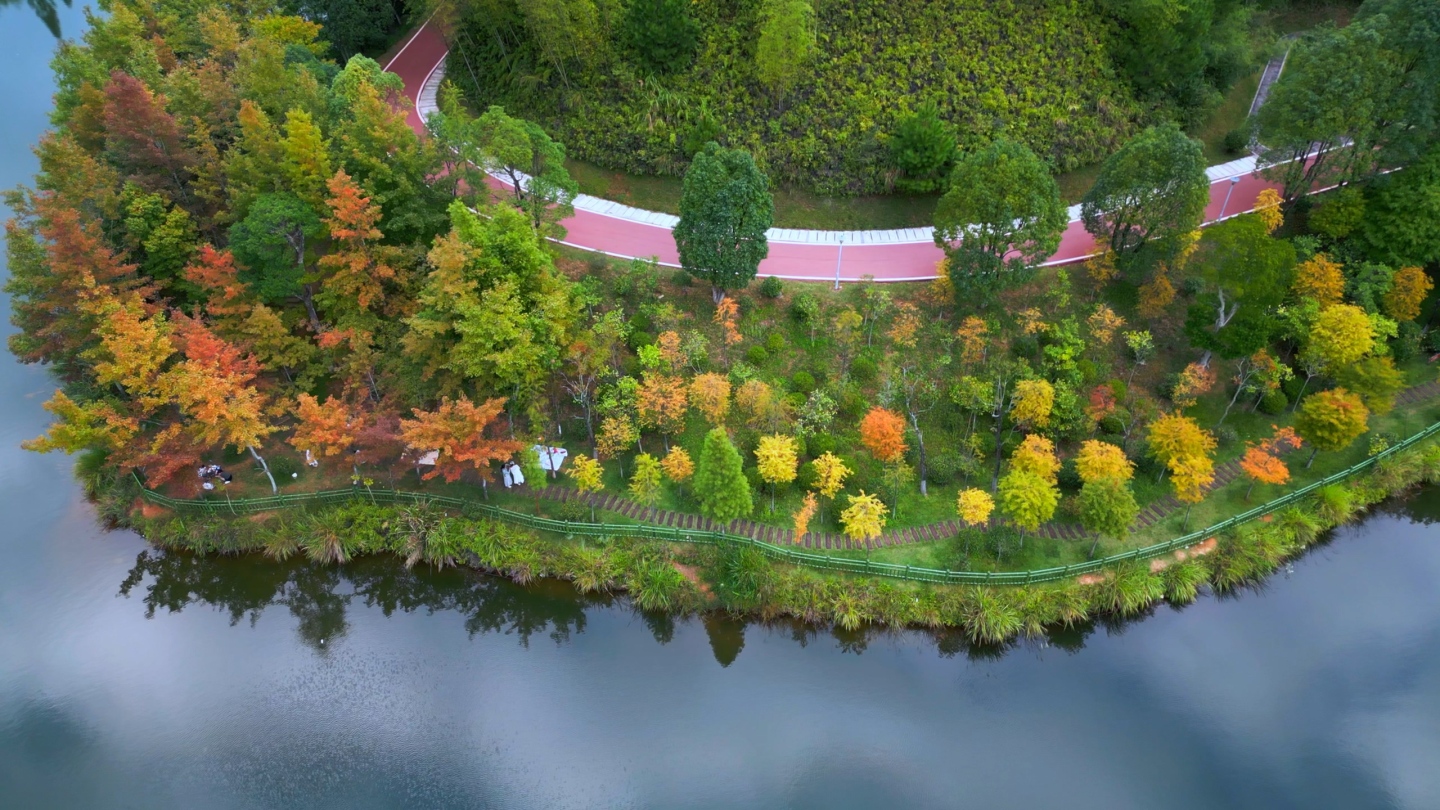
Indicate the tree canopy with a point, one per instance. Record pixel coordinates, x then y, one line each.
725 210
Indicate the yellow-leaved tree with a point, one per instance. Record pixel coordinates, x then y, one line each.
776 457
677 465
588 475
804 515
1033 402
1320 280
1098 460
830 475
974 506
1408 289
1190 475
1036 454
864 519
710 395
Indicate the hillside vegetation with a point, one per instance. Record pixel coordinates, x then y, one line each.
816 102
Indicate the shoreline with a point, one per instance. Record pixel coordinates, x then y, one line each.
686 579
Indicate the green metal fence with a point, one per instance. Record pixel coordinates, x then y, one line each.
821 561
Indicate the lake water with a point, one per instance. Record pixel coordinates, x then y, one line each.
131 678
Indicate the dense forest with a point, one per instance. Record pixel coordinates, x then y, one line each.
237 251
818 90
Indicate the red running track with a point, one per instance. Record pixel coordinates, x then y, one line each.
889 261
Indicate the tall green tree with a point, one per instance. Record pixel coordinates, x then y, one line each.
1153 189
923 149
275 244
1242 266
725 210
719 482
1185 53
786 43
1107 508
1401 212
661 33
1001 216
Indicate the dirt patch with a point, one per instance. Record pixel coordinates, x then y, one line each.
149 510
1198 550
1092 579
692 573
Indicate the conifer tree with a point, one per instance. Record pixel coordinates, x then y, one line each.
720 483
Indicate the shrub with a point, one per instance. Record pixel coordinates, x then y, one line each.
681 278
1274 403
820 444
283 467
771 287
1226 435
775 342
756 355
863 369
923 149
1236 140
802 382
638 339
1406 345
805 307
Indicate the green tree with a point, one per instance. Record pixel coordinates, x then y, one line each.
1401 210
725 210
786 43
532 163
274 244
1375 380
1331 420
923 149
645 479
719 482
1028 499
661 33
1153 188
1107 508
1183 53
1001 216
1242 265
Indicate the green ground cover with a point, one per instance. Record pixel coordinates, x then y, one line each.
797 208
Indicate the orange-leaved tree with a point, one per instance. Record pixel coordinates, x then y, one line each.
324 429
882 431
458 429
354 273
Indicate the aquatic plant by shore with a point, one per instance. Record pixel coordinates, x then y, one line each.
685 578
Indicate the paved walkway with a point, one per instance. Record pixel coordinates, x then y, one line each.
907 254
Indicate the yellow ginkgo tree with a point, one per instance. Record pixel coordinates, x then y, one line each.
864 519
776 457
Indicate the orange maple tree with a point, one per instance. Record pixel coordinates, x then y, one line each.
883 433
457 429
355 270
325 429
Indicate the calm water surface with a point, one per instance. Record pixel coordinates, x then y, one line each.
134 679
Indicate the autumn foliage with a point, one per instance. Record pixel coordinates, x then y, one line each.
458 429
883 433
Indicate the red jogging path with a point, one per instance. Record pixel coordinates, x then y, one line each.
903 255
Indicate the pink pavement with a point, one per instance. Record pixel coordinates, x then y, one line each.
425 50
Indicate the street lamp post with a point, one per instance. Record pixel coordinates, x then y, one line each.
838 257
1226 203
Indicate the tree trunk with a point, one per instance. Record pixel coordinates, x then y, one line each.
265 467
1311 460
920 452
